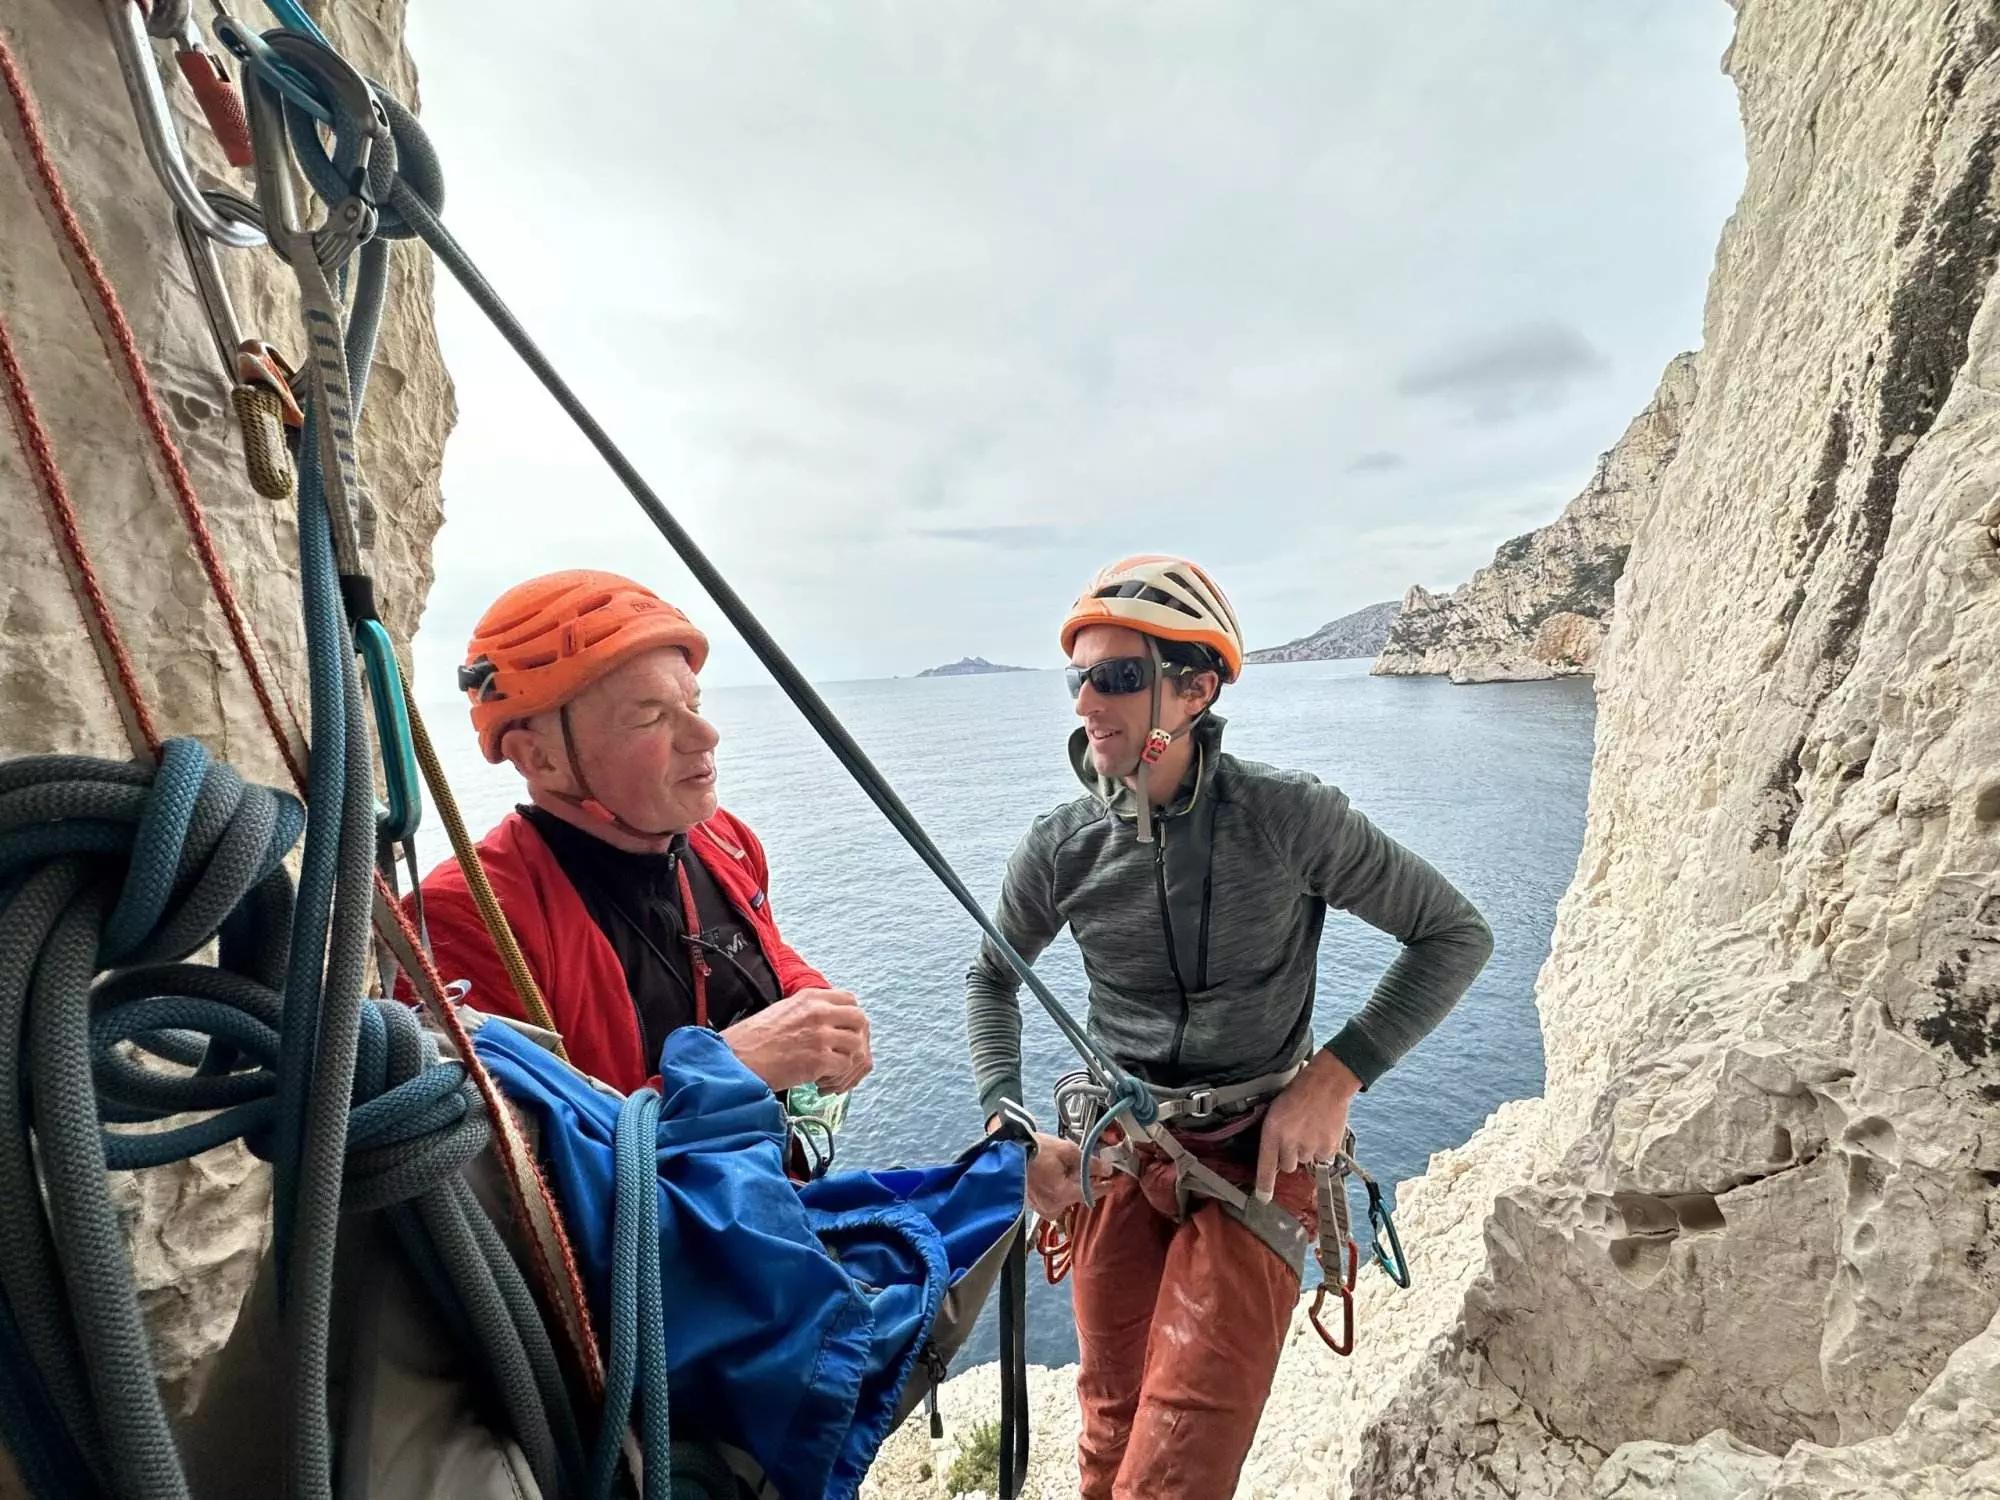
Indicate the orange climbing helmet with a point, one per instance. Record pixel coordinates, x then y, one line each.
1166 597
544 641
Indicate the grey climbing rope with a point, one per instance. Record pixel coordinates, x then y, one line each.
108 865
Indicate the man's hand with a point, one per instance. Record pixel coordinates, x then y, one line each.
1055 1176
1055 1173
1307 1122
814 1036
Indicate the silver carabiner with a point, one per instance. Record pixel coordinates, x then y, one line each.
214 294
350 223
133 44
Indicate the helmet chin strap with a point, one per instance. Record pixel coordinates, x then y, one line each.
588 803
1157 743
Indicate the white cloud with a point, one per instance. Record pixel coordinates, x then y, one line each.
917 312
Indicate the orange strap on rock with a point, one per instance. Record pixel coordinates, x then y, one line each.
110 644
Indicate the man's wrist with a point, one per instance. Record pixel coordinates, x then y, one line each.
1335 1075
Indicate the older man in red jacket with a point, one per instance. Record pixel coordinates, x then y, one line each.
638 903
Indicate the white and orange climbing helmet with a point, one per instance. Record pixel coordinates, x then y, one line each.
1165 597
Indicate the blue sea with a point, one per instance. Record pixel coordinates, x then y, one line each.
1487 782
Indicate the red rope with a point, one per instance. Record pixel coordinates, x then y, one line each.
35 438
127 350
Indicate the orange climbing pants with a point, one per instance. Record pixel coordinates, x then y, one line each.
1179 1326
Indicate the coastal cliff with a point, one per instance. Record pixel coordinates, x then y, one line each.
1540 608
1362 633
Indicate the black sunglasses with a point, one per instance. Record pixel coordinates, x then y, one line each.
1119 676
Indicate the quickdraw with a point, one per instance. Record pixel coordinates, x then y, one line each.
1340 1266
1055 1241
259 384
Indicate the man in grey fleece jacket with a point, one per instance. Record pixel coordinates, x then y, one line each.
1196 886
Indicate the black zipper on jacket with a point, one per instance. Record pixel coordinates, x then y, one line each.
1167 927
1207 891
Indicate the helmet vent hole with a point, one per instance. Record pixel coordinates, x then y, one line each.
1198 593
1161 597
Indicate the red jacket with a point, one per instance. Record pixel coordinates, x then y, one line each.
569 955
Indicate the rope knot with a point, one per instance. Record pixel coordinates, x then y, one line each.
184 843
1136 1101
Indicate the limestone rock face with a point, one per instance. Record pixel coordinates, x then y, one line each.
197 1231
1763 1198
1541 607
1943 1449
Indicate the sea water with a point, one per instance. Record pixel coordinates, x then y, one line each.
1487 783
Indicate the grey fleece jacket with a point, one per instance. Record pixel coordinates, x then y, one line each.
1202 949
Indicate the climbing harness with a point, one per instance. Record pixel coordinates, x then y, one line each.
1084 1113
1339 1255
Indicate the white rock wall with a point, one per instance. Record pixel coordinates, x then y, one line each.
1765 1195
198 1230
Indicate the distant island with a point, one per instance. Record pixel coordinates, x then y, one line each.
1362 633
969 666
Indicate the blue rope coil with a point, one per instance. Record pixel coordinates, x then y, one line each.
113 875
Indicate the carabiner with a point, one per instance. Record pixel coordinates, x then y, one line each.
1056 1240
134 46
255 54
1393 1263
1345 1343
214 90
392 730
1094 1138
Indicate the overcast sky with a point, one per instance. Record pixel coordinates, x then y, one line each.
917 312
